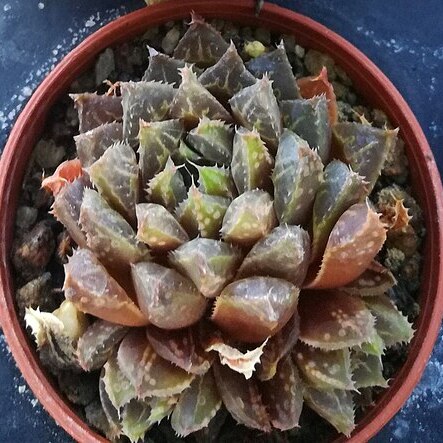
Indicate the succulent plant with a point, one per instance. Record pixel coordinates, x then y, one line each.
223 267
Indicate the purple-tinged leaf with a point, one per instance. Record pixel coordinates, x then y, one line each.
115 175
391 325
193 102
92 144
354 241
196 406
108 234
167 188
213 140
150 374
202 214
277 347
169 300
342 322
158 228
283 253
163 68
297 175
364 148
251 163
201 44
95 110
283 395
210 264
340 189
150 101
309 120
90 287
180 347
66 208
335 406
277 66
242 398
256 107
158 141
324 369
228 76
376 280
98 343
255 308
249 218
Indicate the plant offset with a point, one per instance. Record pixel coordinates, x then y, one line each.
227 249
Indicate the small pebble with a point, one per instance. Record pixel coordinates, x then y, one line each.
289 42
315 60
104 66
37 293
26 217
81 389
299 51
48 155
170 40
33 252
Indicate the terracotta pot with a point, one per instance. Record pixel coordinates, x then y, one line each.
369 81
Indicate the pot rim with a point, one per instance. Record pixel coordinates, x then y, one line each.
379 91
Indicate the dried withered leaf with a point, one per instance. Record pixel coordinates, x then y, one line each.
283 395
193 102
248 218
243 362
66 172
255 308
212 139
367 370
251 163
343 320
196 406
340 189
391 325
119 389
325 369
353 243
317 85
97 344
158 228
335 406
297 175
181 347
169 300
376 280
163 68
395 215
95 110
92 144
308 118
228 76
150 101
256 107
115 175
283 253
167 188
90 287
210 264
150 374
202 214
277 66
363 147
201 44
66 208
277 347
108 234
241 398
